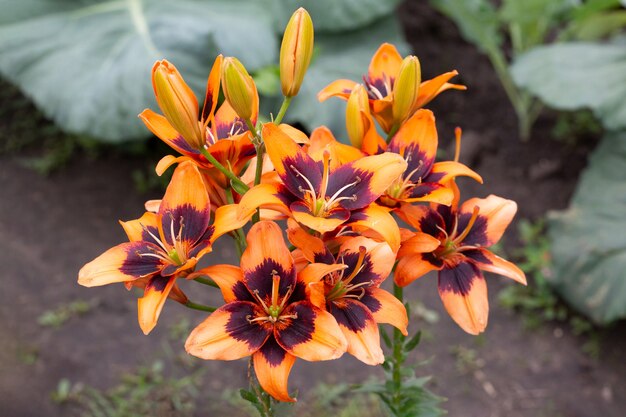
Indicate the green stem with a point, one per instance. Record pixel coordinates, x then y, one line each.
283 110
238 235
223 170
251 127
205 281
392 132
263 398
398 342
201 307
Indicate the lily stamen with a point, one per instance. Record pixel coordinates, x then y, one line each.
468 228
359 265
309 184
335 198
325 174
457 147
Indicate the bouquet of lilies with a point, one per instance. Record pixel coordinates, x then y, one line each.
313 219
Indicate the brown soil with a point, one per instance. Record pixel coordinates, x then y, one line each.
51 226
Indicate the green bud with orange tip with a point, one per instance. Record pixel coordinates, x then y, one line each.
406 88
296 51
238 87
177 102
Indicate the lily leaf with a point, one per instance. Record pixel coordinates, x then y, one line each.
339 56
334 15
571 76
588 241
86 63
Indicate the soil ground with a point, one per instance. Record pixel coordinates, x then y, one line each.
50 226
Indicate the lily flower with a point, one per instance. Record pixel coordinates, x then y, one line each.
350 290
267 314
424 179
312 192
383 73
453 241
163 246
223 133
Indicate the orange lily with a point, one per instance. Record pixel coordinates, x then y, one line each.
424 179
312 192
452 241
163 246
223 134
350 289
383 72
267 314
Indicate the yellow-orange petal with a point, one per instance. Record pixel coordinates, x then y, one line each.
494 216
262 195
227 277
272 366
430 89
312 247
379 220
313 336
226 220
463 290
418 243
384 169
412 267
385 63
322 140
338 88
316 271
227 334
451 169
417 134
379 258
162 129
320 224
150 305
135 229
297 135
169 160
212 91
490 262
386 308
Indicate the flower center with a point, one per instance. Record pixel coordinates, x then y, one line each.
273 310
341 287
176 253
451 245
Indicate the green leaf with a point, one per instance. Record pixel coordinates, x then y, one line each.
589 239
340 56
87 64
334 15
413 342
477 20
570 76
597 26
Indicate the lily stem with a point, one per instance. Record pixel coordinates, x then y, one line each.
205 281
398 344
283 109
201 307
238 235
229 174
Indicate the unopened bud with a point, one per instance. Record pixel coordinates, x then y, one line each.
177 102
406 88
239 88
355 122
296 51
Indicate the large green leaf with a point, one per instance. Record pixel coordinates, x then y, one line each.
334 15
87 64
570 76
589 239
340 56
477 20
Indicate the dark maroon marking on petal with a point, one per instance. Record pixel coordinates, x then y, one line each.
459 279
169 269
358 215
370 301
324 257
434 177
365 275
477 255
428 224
261 278
478 232
208 104
272 352
286 196
416 160
203 242
299 293
424 189
448 215
338 214
146 237
306 166
298 330
359 192
247 150
236 127
432 259
350 314
240 328
346 91
158 283
379 84
241 292
184 146
137 265
300 207
194 222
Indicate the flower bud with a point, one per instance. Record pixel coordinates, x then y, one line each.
406 88
239 88
355 122
177 102
295 52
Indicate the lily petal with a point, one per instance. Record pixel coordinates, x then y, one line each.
386 308
385 63
417 142
377 263
490 262
379 220
262 195
150 305
230 280
272 366
412 267
494 216
312 247
338 88
445 171
360 329
430 89
227 334
463 290
162 129
313 336
138 230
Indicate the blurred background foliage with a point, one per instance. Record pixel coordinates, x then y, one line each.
86 65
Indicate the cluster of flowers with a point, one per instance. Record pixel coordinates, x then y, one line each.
320 296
